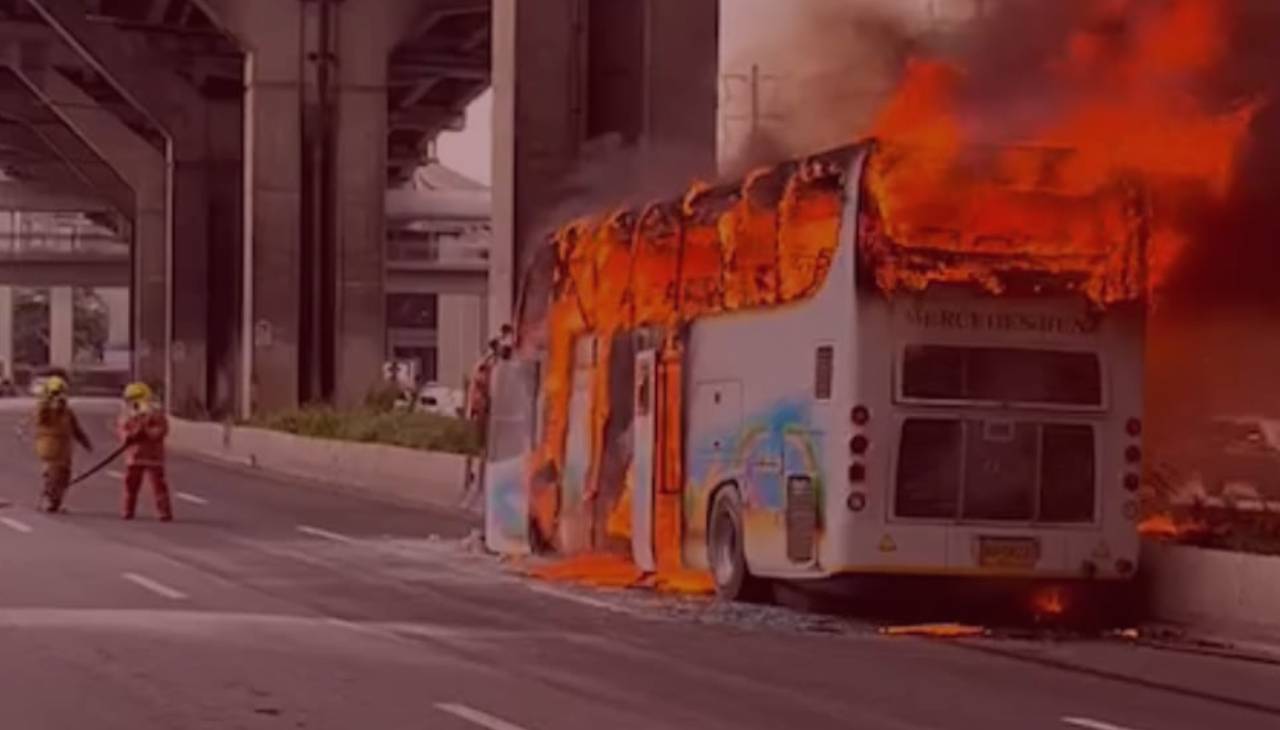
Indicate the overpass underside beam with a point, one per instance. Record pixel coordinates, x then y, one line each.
641 74
143 168
149 83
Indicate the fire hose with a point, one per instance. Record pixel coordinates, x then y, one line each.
102 464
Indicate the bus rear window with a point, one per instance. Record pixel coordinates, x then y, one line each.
1001 375
929 468
978 470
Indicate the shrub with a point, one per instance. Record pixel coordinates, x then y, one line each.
381 398
422 431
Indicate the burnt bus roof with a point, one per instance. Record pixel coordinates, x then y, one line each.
1105 276
1001 219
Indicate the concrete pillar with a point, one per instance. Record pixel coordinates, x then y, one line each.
461 336
368 32
537 127
226 248
568 71
314 307
271 34
118 331
62 326
144 168
6 333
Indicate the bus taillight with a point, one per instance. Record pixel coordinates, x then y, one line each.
1133 427
1132 482
857 502
861 415
857 473
1133 454
858 445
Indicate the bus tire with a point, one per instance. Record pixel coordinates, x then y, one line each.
725 541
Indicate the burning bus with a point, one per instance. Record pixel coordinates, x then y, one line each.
875 361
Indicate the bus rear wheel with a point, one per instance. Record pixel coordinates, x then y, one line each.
725 552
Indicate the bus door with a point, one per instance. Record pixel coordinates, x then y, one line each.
643 460
512 436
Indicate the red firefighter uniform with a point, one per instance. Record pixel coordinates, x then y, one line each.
144 428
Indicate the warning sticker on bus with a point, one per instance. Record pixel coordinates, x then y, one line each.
1008 552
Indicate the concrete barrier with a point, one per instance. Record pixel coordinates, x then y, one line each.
1215 590
387 472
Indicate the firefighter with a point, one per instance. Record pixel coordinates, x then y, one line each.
143 428
477 407
476 410
56 426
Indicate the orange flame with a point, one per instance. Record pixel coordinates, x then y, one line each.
1126 114
1049 603
769 241
1164 526
936 631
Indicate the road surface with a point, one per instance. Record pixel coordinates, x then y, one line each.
276 605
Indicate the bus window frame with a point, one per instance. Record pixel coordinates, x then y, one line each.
1104 406
895 460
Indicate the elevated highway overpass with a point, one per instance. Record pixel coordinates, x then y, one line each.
246 148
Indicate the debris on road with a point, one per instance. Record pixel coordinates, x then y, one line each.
936 631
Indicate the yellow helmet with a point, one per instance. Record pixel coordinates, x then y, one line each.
137 392
54 386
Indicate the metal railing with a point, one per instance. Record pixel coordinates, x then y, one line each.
69 244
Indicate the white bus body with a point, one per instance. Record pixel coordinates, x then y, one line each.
946 433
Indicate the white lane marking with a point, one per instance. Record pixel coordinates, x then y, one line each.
193 499
15 525
476 717
1089 724
155 587
576 598
115 474
327 535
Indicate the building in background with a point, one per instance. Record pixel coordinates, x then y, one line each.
438 241
63 316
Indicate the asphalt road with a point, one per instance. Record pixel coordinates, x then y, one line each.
270 604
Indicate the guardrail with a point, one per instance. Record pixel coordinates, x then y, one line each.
383 472
1214 590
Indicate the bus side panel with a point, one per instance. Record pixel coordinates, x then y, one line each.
794 405
511 434
752 422
791 424
576 517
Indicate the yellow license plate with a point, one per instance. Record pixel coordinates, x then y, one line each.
1006 552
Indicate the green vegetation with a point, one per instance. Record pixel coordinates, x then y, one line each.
423 431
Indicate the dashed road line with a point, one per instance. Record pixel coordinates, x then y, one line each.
1089 724
16 525
476 717
155 587
326 534
565 595
115 473
191 498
